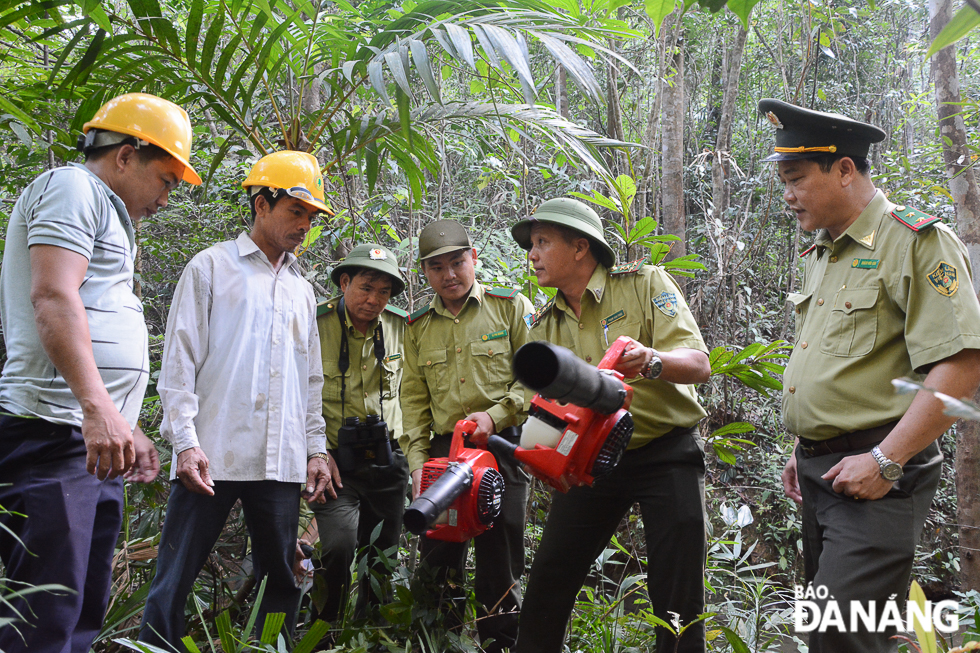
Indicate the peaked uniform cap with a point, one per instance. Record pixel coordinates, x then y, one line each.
441 237
371 257
806 134
151 119
569 213
295 173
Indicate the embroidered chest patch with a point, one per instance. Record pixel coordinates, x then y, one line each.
944 280
667 303
493 336
529 320
865 263
392 357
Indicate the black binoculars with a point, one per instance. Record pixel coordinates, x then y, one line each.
360 443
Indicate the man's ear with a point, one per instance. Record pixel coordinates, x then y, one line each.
847 171
582 248
344 281
261 205
126 155
474 257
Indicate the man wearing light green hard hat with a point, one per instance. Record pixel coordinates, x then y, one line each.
361 337
663 468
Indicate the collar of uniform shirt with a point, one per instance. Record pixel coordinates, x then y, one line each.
867 223
597 285
476 292
247 247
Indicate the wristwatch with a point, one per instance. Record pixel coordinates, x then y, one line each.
319 454
890 470
654 367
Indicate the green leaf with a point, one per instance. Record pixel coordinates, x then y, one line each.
404 114
733 427
211 43
597 198
742 9
397 68
223 623
924 632
462 43
193 32
272 627
657 10
190 645
377 81
580 71
738 646
626 188
424 68
959 26
312 637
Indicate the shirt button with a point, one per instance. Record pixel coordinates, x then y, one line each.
847 304
456 320
819 302
428 362
489 352
833 259
365 395
581 326
803 345
792 389
462 380
459 350
588 359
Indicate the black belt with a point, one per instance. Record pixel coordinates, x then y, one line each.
847 442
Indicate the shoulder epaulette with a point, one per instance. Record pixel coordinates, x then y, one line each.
503 293
417 314
808 250
914 219
536 316
629 268
397 311
325 307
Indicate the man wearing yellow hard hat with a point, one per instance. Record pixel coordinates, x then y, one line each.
77 367
240 384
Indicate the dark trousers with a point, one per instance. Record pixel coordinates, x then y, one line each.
70 531
499 561
371 496
666 477
192 526
863 550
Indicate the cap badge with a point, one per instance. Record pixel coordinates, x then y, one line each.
377 254
774 119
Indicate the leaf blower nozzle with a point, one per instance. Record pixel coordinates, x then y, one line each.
422 514
556 373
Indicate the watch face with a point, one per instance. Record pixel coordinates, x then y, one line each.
892 472
655 368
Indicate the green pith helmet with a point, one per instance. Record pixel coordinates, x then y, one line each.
569 213
441 237
371 257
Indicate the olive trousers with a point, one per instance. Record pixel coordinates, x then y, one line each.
372 497
666 478
862 550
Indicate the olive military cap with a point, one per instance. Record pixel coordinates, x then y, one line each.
806 134
567 213
441 237
371 257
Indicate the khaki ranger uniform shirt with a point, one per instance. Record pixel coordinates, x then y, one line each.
644 303
457 365
887 299
361 391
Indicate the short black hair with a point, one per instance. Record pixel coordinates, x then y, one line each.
146 153
571 235
265 192
827 161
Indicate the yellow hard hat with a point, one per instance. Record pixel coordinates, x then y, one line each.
151 119
295 173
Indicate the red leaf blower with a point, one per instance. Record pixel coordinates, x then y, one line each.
578 425
460 495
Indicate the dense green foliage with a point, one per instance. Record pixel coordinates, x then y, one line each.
461 110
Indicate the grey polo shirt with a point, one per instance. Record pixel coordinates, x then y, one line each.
72 208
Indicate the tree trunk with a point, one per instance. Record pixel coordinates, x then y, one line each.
562 92
966 198
721 162
672 185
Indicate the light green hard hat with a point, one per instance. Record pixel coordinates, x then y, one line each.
441 237
567 213
371 257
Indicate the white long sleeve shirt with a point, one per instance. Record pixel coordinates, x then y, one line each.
242 374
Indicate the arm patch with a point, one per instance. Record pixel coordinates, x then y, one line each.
503 293
417 314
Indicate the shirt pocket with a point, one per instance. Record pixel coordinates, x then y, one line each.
331 380
491 365
393 377
435 370
801 303
622 328
853 325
